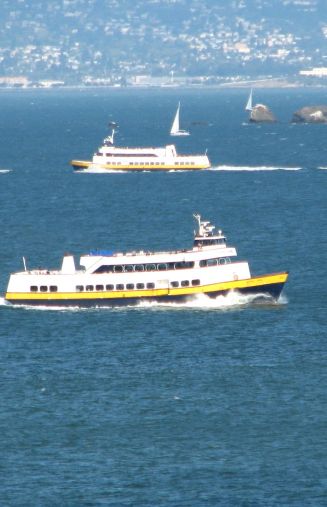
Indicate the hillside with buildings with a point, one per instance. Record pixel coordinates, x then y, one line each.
135 41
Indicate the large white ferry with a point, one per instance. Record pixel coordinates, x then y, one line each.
107 278
115 158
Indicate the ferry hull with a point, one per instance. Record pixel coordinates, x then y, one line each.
265 286
80 165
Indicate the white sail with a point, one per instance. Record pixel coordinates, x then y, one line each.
175 126
249 106
175 130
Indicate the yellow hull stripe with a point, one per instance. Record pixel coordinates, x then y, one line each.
86 164
181 291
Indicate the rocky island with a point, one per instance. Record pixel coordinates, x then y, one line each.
261 113
311 114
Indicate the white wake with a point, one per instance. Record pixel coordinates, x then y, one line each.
253 168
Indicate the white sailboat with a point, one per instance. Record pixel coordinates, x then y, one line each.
249 106
175 130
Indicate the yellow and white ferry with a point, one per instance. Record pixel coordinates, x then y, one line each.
116 158
107 278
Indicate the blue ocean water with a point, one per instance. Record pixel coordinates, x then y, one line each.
205 404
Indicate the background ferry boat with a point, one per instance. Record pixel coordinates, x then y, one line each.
105 278
115 158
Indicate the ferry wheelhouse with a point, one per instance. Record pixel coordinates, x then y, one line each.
107 278
116 158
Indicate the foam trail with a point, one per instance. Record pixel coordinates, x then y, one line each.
204 302
4 171
3 302
322 167
253 168
99 170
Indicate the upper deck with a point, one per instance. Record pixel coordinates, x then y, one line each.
208 243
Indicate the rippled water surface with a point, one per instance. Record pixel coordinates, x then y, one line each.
209 403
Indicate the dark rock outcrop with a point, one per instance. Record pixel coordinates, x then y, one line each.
311 114
261 113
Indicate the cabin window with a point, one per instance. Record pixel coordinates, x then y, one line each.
195 282
79 288
118 269
104 269
184 265
120 286
33 288
174 284
130 286
129 268
99 287
224 260
139 267
162 267
140 285
43 288
150 285
150 267
53 288
185 283
208 262
89 287
110 286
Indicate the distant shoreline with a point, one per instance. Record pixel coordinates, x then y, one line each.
260 83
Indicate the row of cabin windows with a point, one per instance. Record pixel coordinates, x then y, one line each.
159 163
118 286
207 242
185 283
127 268
132 286
145 163
149 163
125 155
44 288
206 263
